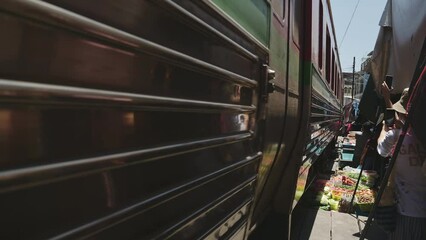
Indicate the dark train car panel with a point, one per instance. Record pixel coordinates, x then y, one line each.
148 19
111 126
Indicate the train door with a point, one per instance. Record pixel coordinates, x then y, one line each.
296 119
277 103
274 202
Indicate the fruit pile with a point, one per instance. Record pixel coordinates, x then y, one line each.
365 196
348 181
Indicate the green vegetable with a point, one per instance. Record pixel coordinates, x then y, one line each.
364 178
326 208
348 187
353 175
324 200
326 190
334 205
356 175
362 187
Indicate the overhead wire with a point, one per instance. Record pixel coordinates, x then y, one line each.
350 21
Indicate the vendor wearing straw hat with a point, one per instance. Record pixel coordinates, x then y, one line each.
409 180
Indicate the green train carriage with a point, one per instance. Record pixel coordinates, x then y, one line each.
161 119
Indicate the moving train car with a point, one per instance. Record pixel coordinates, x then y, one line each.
144 119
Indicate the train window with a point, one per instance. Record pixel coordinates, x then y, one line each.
337 84
334 76
327 57
339 92
336 89
340 89
297 21
320 35
284 8
332 82
341 86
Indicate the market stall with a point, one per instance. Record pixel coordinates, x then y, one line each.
337 193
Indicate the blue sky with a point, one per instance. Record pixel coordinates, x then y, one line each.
362 33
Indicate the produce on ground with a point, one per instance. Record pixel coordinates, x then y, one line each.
337 193
334 205
365 196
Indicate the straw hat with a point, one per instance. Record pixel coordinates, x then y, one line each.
401 105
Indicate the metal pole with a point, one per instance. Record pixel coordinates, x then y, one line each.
353 80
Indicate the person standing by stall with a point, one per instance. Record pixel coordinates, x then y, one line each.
409 178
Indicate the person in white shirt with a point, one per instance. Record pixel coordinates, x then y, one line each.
410 181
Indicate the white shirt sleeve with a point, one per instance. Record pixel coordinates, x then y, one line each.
385 147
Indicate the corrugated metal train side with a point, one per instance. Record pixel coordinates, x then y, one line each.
161 119
112 127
